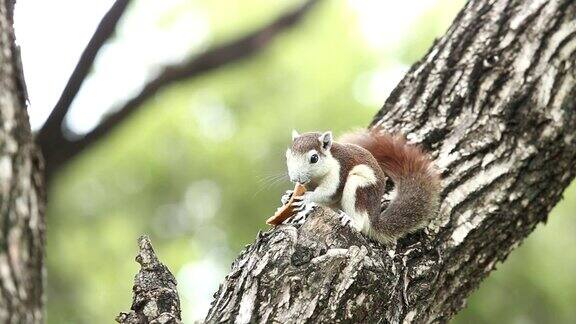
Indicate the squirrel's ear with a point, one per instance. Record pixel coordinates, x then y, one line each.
326 140
294 134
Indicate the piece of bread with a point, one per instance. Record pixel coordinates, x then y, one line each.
286 211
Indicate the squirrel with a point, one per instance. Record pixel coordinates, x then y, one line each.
350 175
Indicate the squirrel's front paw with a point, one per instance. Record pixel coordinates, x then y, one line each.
300 202
301 216
286 197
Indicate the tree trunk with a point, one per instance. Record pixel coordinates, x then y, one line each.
494 100
21 191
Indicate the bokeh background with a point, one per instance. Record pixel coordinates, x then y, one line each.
196 167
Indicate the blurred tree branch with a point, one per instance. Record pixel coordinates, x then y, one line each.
52 128
494 99
58 149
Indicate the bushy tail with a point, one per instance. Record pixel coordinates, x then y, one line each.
416 180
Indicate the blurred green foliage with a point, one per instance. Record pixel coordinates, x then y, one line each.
197 170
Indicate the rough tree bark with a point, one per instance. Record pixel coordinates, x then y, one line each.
494 100
155 299
21 191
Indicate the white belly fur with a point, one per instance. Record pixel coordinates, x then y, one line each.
360 176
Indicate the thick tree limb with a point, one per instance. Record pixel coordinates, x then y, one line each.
155 296
494 99
58 149
22 197
106 28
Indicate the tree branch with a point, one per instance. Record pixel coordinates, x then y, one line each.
155 296
494 99
106 28
59 150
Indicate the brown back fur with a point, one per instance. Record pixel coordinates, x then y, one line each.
397 158
416 179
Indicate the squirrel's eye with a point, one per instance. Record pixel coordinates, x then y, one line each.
314 158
